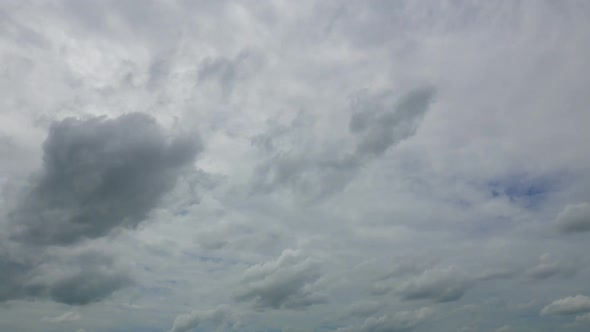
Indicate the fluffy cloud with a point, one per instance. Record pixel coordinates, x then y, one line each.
100 174
570 305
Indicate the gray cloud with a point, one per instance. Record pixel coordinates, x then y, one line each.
545 270
378 123
65 317
438 284
574 219
100 174
87 278
286 283
397 322
15 272
219 318
584 319
364 309
442 184
226 72
87 286
571 305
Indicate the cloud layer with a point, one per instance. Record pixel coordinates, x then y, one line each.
359 165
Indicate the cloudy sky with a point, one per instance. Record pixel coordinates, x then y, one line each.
333 165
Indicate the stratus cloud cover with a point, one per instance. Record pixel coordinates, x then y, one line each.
349 165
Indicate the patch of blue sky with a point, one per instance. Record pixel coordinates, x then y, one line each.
524 190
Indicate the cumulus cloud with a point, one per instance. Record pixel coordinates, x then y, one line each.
574 219
399 321
100 174
285 283
570 305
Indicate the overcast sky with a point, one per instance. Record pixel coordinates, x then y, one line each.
333 165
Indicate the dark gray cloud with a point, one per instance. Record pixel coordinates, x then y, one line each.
15 272
574 219
84 279
287 283
87 286
100 174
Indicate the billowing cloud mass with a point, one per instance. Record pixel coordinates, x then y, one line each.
100 174
309 165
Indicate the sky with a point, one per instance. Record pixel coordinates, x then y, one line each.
291 166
